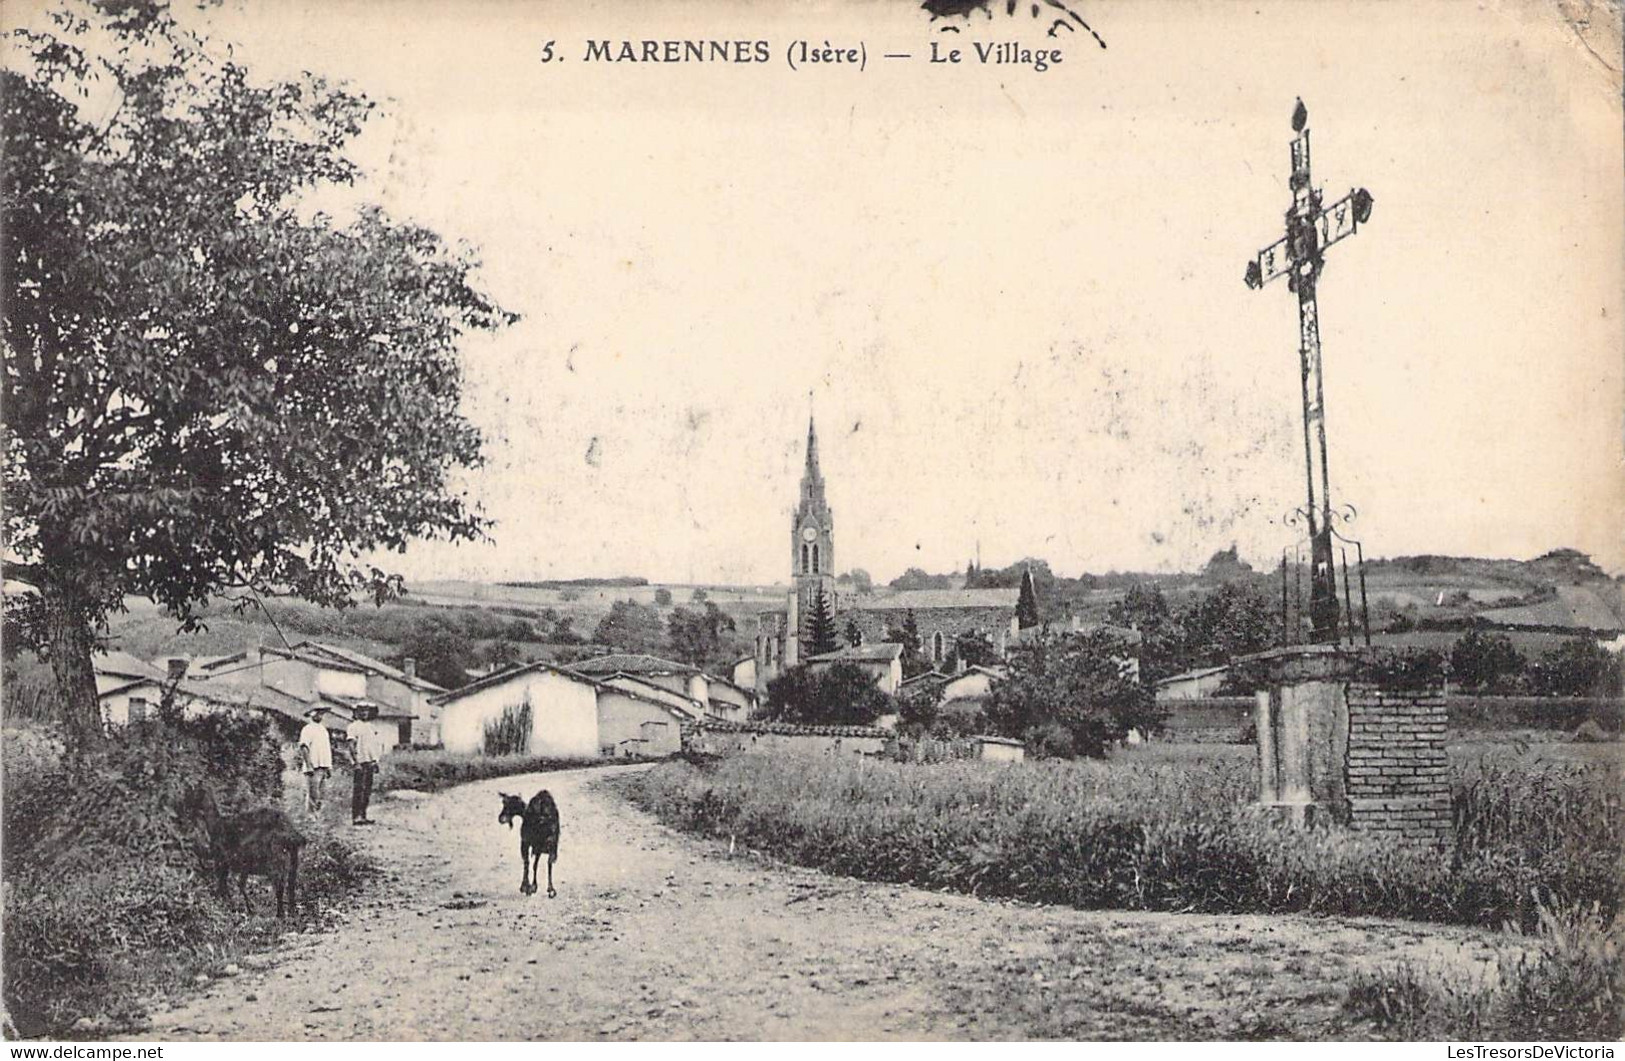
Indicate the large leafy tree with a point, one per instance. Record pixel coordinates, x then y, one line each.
838 694
631 627
700 636
1071 694
209 386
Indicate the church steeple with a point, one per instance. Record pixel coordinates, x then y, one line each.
812 533
812 479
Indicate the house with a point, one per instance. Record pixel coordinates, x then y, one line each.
128 689
973 684
999 749
572 715
742 672
717 697
313 676
883 662
1193 684
400 688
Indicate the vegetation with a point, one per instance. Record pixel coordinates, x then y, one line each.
1149 834
821 636
1572 987
509 734
840 694
1070 695
908 635
431 771
632 627
191 429
106 897
700 636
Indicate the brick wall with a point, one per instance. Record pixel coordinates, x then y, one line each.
1398 778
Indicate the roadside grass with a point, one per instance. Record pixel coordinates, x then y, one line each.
1570 988
106 901
1161 834
431 771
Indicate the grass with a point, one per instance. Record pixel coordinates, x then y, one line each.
1160 834
1572 987
431 771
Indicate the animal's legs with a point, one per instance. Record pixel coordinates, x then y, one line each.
550 892
524 864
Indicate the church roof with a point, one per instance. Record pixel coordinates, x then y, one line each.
927 599
879 652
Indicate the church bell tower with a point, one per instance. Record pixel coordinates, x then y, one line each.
812 537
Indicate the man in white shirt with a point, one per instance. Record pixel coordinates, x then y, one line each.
367 747
315 759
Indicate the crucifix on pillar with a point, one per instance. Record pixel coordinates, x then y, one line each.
1299 256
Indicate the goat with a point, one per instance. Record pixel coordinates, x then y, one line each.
538 834
258 842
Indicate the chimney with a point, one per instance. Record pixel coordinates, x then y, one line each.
175 668
410 667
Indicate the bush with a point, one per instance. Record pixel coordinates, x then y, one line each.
510 734
1571 987
430 771
1149 835
105 901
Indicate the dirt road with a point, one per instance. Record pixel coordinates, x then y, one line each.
658 936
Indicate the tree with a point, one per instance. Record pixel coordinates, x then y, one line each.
501 653
1027 603
820 626
1577 667
1070 694
663 597
908 635
696 634
1162 645
208 389
442 653
631 627
564 632
836 694
917 578
1234 620
1481 661
699 596
854 636
973 650
861 580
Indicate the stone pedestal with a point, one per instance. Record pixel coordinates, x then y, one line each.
1302 721
1337 746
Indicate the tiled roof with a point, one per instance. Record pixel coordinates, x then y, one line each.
592 681
631 663
878 652
126 666
366 662
791 729
927 599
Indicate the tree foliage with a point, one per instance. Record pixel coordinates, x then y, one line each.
1027 602
209 387
1577 667
631 627
442 653
908 635
835 694
1480 660
821 636
1070 694
697 635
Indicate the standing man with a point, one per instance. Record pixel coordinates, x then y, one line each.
367 746
315 759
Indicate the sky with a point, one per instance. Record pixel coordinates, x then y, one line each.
1013 299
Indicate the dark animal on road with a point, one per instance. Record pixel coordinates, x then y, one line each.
538 835
259 842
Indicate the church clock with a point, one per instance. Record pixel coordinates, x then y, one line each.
809 533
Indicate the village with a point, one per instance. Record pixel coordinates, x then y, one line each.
1186 616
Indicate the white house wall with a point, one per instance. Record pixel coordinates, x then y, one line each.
564 715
